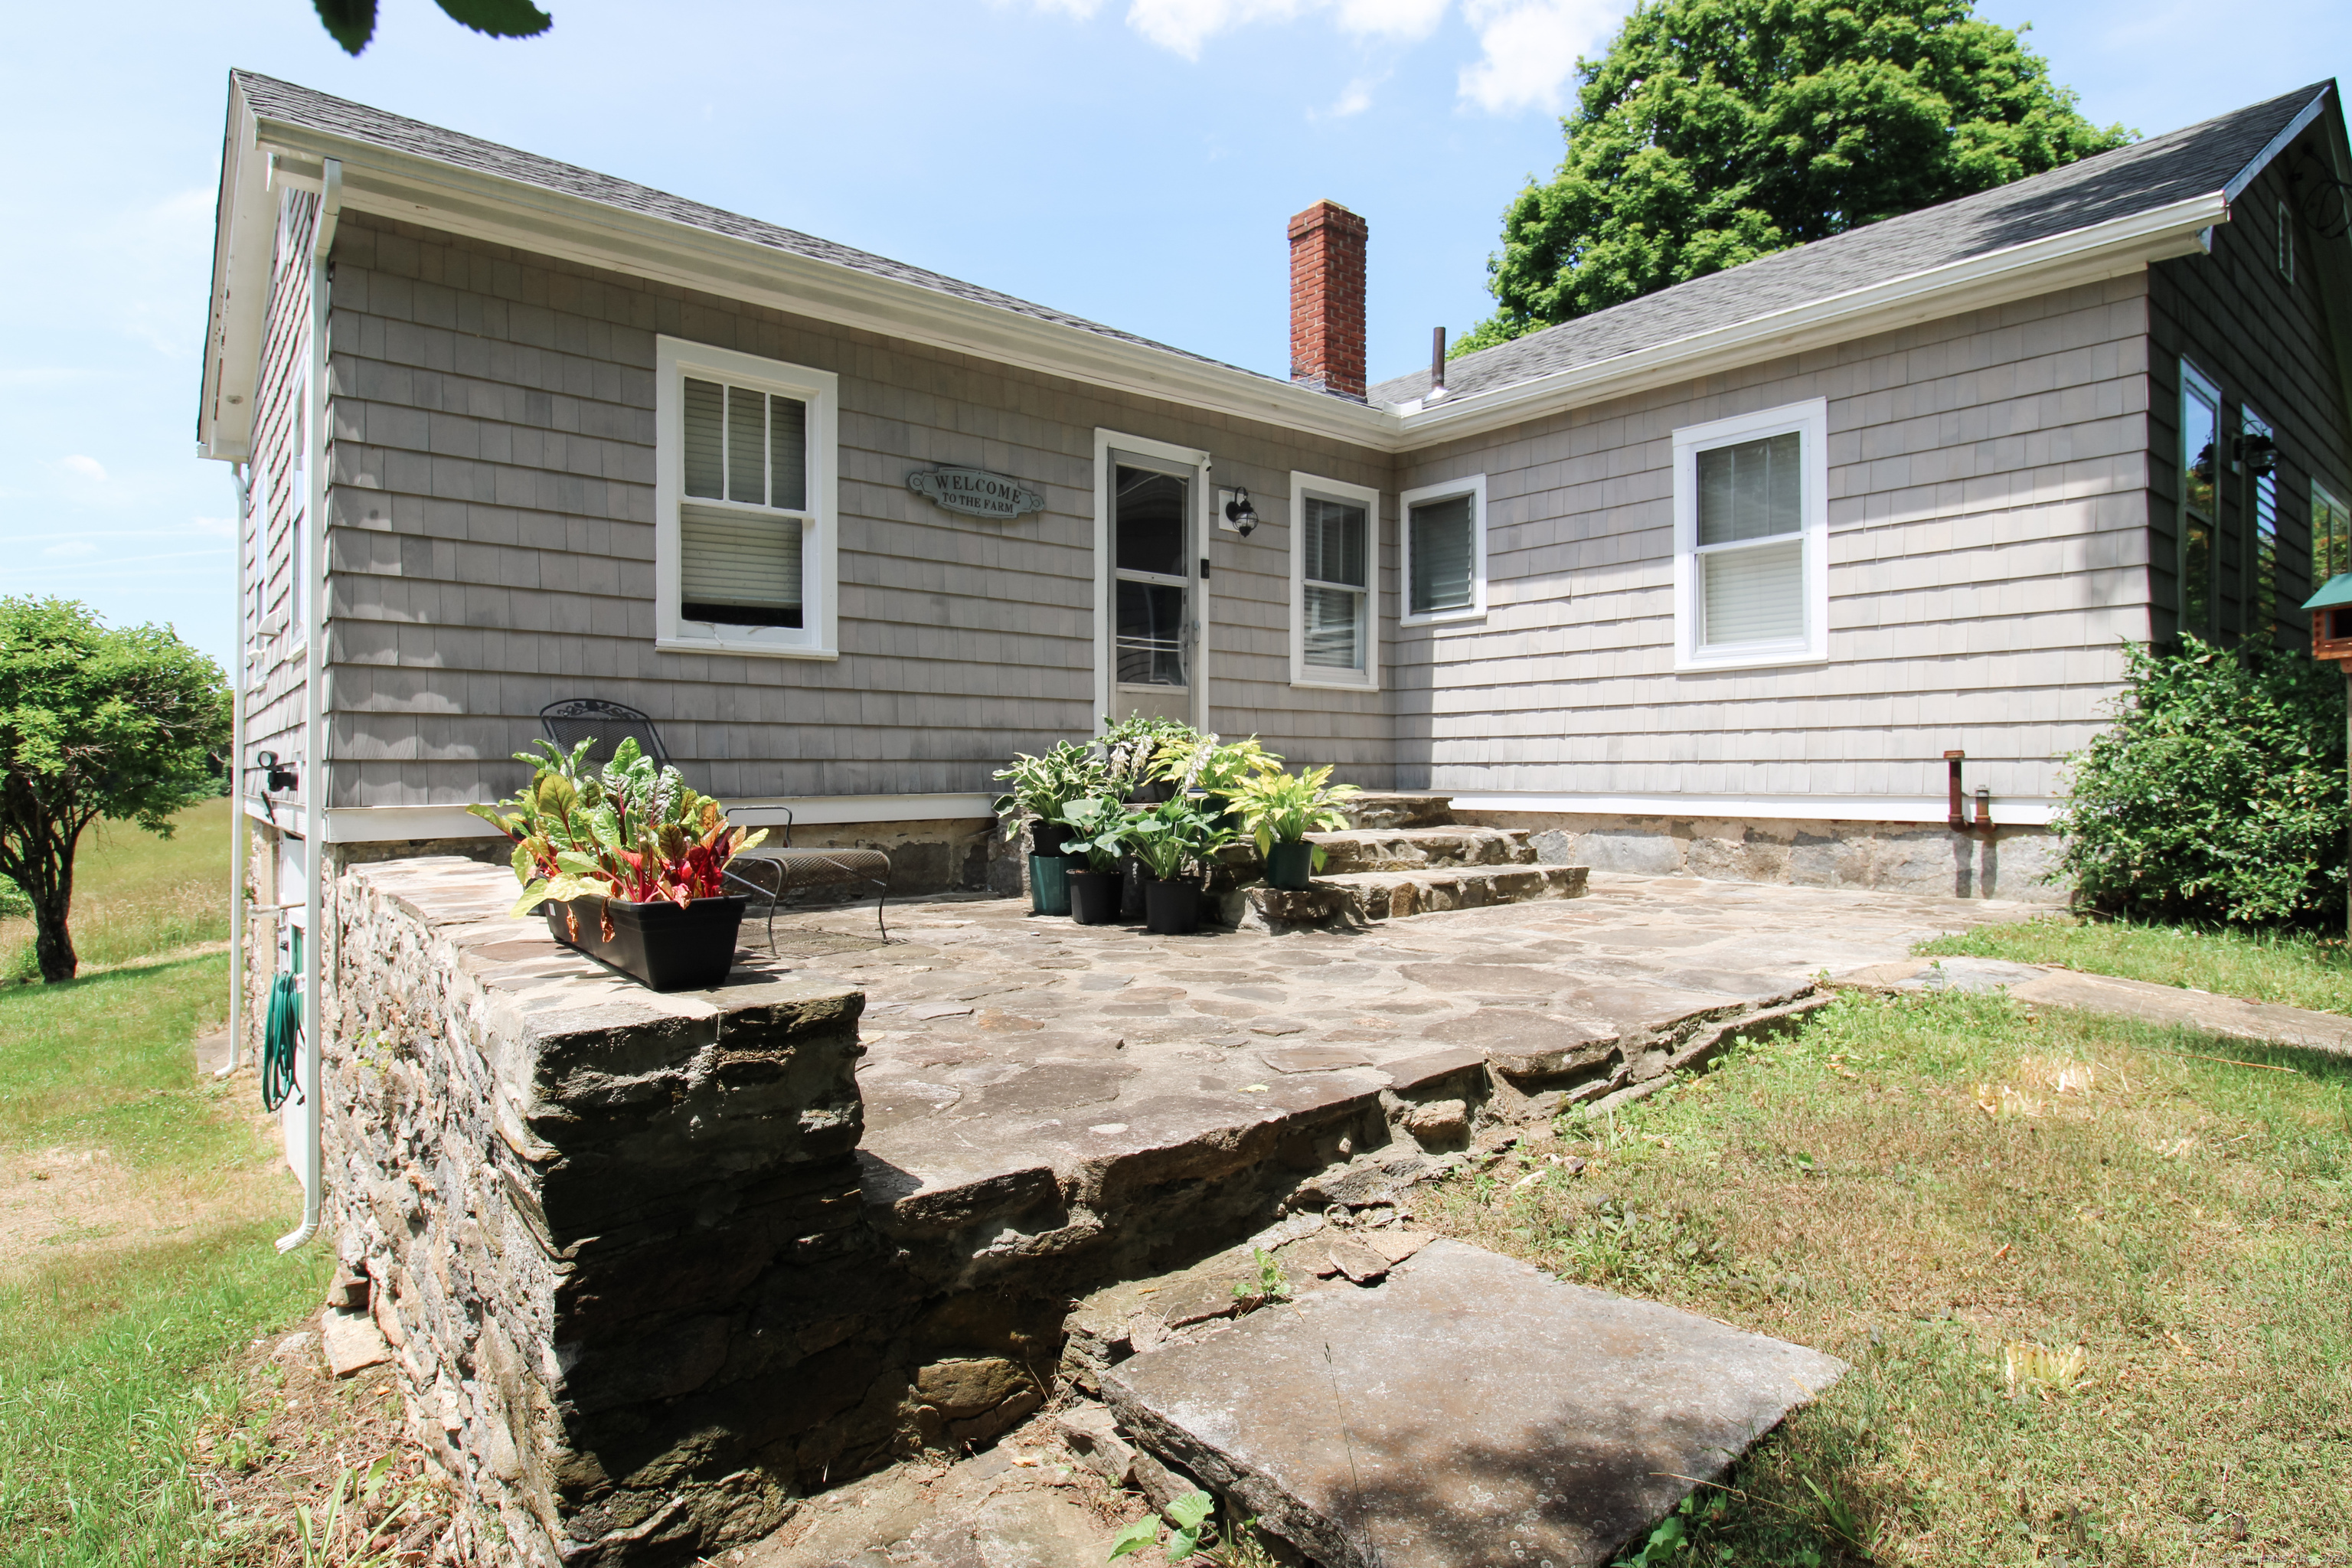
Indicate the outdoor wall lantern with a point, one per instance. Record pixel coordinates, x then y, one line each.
1240 513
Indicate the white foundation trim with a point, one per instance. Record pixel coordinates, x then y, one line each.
2013 811
394 824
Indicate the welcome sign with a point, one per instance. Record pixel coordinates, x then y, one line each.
976 492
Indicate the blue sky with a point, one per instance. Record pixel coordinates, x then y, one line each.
1133 160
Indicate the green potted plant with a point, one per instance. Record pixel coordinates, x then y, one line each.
1041 788
1204 764
1281 809
1100 836
1133 751
1169 837
626 863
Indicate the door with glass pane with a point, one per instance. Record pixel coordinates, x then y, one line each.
1154 604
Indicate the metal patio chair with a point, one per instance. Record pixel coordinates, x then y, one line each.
766 875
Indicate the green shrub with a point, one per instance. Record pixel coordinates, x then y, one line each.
2219 793
13 904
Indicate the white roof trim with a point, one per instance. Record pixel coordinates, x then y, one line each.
530 217
2277 145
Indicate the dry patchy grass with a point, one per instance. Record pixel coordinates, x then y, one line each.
2094 1291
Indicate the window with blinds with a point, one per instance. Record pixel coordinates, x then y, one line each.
1752 555
1335 571
1442 555
2263 588
744 462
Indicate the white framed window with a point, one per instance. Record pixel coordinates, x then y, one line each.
2331 535
2200 479
745 504
1445 536
1335 534
1751 540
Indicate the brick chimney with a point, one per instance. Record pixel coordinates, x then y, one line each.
1327 300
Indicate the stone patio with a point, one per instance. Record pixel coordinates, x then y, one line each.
1037 1090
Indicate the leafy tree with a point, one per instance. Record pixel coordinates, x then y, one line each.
1715 131
2217 795
352 23
93 722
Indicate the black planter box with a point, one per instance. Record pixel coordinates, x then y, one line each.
659 945
1094 896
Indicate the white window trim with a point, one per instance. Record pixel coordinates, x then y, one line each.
1107 574
1316 678
818 635
1475 487
1810 420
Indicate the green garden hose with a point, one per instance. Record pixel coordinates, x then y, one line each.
279 1035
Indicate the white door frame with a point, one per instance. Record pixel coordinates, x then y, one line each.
1107 575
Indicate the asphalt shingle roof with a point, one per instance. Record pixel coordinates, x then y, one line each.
2140 178
290 104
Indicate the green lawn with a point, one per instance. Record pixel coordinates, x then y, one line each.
2299 969
2188 1224
135 894
116 1336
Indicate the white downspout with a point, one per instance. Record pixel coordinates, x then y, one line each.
314 719
237 832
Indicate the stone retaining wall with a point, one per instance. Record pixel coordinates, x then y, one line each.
1890 857
614 1237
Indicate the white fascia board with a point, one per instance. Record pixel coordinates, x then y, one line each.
552 223
244 228
2011 811
2276 145
396 824
2041 267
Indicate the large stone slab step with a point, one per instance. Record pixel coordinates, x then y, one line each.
1399 810
1420 848
1353 902
1468 1411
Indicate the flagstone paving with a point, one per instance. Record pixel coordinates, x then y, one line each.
1034 1087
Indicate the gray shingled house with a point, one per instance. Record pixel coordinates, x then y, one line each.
1712 581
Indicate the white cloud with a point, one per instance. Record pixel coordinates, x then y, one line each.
68 550
1357 98
1182 26
1530 50
88 467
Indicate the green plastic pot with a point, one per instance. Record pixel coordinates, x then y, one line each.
1290 865
1049 884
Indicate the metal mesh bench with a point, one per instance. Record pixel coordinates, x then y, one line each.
766 876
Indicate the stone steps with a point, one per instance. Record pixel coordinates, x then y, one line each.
1354 900
1421 849
1397 810
1437 1405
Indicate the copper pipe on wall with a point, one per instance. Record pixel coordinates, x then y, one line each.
1958 819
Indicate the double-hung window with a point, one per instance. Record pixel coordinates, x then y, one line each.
1751 540
1335 623
2257 443
744 523
2331 535
1444 551
2200 443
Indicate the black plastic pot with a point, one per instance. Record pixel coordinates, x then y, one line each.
1130 886
1290 864
660 946
1048 838
1049 888
1171 908
1095 897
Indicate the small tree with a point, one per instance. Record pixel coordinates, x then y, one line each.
93 722
2217 795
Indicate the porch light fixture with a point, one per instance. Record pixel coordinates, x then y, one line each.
1240 513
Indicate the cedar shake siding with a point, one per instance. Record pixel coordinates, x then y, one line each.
2270 345
493 545
1986 482
274 671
